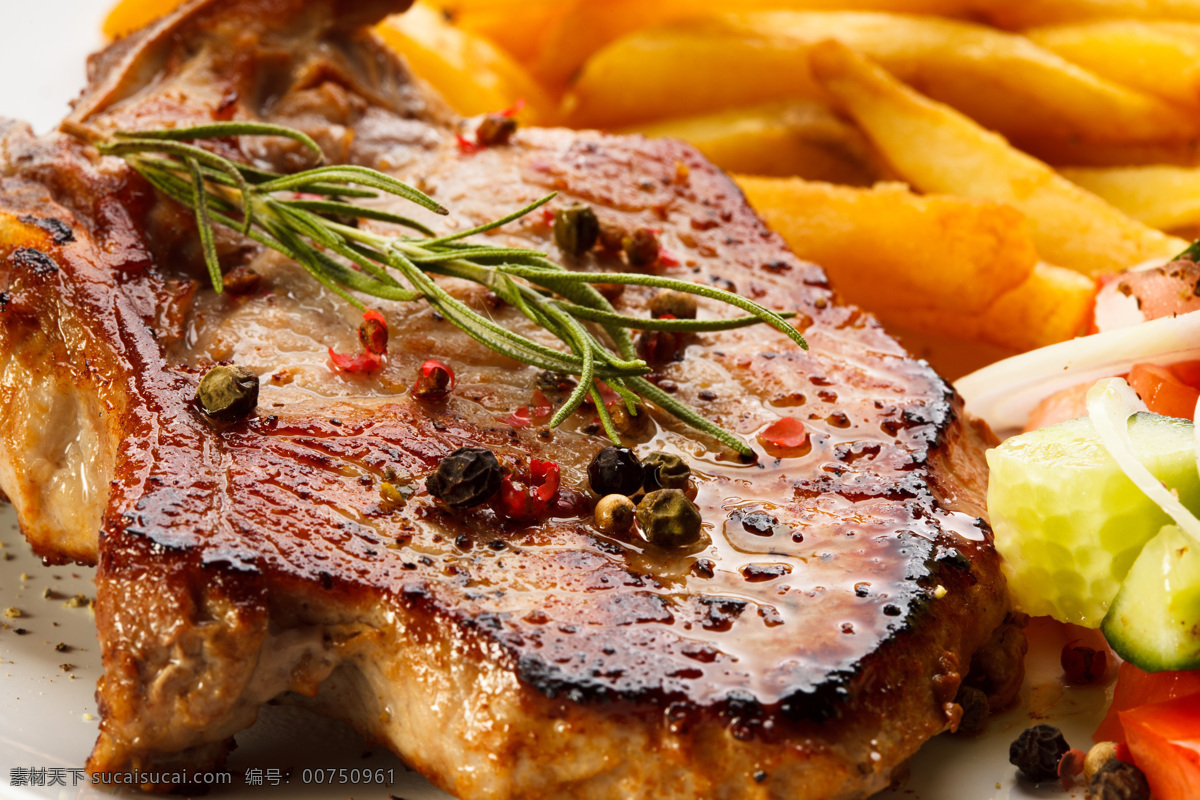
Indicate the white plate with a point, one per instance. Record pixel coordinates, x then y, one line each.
48 718
48 715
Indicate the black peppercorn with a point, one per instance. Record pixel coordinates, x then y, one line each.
576 229
466 477
669 519
975 710
665 471
615 470
1117 780
1037 751
228 392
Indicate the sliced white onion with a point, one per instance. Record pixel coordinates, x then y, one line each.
1196 431
1110 403
1005 393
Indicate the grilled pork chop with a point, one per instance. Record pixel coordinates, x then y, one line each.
806 652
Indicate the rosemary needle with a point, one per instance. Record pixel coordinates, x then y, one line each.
351 261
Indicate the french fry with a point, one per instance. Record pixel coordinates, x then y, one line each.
888 248
807 140
517 26
1163 197
1019 14
1143 56
1052 305
472 74
128 16
938 150
1090 154
587 25
1001 80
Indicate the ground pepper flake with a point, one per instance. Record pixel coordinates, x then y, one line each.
539 408
523 498
788 433
362 362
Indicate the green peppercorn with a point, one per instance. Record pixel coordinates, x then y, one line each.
1036 752
669 519
576 229
467 477
679 305
615 470
975 710
228 392
614 513
495 129
1118 780
665 471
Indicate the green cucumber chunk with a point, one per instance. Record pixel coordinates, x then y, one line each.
1069 523
1154 621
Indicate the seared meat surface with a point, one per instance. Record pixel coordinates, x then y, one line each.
806 652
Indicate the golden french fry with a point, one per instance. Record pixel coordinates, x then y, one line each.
517 26
1052 305
1137 54
938 150
588 25
472 74
128 16
1018 14
807 140
888 249
1163 197
1090 154
1001 80
683 70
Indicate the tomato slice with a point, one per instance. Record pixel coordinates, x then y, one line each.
1162 392
1165 741
1135 688
1059 407
1188 372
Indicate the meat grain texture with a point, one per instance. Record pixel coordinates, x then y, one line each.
806 651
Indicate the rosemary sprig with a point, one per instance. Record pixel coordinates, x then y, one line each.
272 209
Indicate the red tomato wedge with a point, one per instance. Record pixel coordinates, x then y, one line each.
1135 688
1164 739
1188 372
1163 392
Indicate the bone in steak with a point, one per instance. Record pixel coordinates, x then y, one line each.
806 652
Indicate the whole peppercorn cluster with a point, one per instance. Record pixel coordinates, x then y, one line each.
665 515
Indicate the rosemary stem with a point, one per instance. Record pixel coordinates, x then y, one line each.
273 210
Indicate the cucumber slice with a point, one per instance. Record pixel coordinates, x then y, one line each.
1154 621
1067 520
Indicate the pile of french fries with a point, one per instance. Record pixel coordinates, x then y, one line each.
965 169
